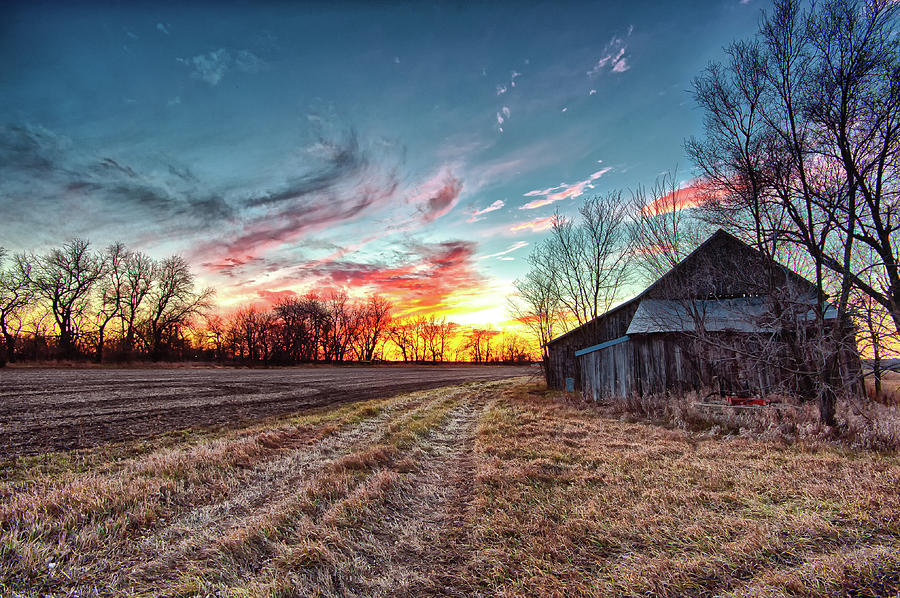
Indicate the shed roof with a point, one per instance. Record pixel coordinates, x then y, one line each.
741 314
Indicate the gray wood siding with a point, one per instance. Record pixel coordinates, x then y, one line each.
563 363
608 372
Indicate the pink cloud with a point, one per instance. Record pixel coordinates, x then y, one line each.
564 191
694 194
425 282
491 208
437 196
613 56
535 226
272 297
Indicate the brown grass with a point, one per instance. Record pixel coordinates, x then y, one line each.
572 503
862 423
482 489
890 388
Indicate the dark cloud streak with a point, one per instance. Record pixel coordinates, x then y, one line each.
345 159
47 168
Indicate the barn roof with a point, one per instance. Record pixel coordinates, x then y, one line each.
719 239
741 314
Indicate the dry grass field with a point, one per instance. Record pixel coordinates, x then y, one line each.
490 488
890 388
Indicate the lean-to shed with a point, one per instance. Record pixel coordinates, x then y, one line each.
726 317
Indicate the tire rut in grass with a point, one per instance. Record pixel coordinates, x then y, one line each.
416 542
269 490
378 533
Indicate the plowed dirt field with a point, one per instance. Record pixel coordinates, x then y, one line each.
60 409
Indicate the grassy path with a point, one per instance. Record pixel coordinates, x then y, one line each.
483 489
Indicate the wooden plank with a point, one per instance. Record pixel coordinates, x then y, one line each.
611 343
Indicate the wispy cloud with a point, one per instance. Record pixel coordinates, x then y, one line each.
535 226
55 172
613 57
491 208
437 196
563 191
344 183
514 247
162 28
213 66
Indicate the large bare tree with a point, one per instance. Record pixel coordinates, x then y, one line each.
172 301
584 261
136 283
800 148
375 319
802 138
536 305
16 295
64 278
109 293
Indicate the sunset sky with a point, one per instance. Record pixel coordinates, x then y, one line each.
414 150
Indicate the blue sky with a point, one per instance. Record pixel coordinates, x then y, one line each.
408 149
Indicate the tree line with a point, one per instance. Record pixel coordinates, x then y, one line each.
798 158
118 304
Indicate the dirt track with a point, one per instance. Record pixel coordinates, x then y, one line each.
57 409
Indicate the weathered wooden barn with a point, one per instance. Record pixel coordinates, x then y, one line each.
726 317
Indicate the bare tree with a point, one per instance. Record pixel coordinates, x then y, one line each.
136 284
110 290
586 260
342 322
215 330
802 136
64 278
877 332
406 335
435 334
480 344
444 331
513 348
16 295
536 304
172 301
375 318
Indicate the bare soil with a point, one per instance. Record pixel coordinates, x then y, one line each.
62 408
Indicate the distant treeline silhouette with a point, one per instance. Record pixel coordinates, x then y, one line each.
76 303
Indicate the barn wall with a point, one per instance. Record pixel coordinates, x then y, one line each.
563 363
662 362
659 363
608 372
